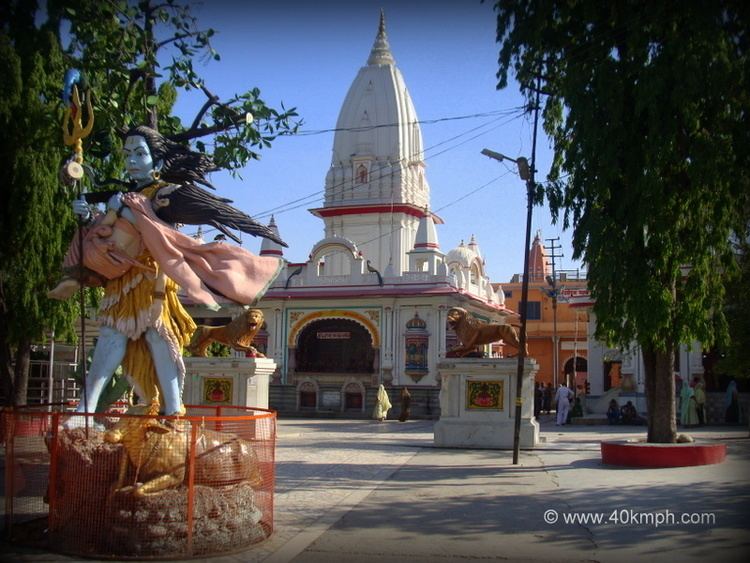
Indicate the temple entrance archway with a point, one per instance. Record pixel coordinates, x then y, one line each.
334 346
576 376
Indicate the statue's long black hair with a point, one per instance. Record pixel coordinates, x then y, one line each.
190 204
180 165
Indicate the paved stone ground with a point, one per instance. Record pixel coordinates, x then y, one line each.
362 491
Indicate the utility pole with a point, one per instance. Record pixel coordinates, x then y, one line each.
526 172
523 339
552 282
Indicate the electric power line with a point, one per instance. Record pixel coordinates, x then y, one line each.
342 187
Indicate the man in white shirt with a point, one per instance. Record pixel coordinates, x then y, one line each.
562 400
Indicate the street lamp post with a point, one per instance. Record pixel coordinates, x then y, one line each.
527 174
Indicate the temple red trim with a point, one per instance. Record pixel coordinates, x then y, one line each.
406 208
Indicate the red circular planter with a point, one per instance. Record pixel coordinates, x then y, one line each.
644 454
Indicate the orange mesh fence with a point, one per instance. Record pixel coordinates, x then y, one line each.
139 485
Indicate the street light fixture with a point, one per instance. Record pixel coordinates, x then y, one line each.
527 174
521 163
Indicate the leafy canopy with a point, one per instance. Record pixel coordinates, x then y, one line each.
646 104
139 55
136 56
34 208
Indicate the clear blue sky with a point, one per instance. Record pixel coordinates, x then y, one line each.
306 55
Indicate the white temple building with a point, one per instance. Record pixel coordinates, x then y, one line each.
369 305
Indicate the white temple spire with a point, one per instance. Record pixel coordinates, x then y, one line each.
381 51
426 238
269 247
377 173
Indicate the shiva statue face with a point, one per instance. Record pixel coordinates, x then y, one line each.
138 160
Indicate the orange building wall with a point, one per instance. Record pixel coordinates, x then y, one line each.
540 332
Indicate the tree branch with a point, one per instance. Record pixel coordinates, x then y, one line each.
177 38
135 76
212 99
196 132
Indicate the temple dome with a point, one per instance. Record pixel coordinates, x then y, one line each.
462 255
416 323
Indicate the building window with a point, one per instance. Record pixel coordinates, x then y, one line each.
308 396
361 174
353 399
474 274
534 311
417 341
508 293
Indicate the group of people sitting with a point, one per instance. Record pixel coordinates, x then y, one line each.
625 414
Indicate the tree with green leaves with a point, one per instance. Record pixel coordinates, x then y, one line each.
735 360
34 213
136 57
647 106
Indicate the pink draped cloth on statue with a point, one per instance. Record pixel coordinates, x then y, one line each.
202 269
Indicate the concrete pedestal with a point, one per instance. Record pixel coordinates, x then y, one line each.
477 404
228 381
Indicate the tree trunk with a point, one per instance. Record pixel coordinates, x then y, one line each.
660 394
6 374
6 362
21 372
149 82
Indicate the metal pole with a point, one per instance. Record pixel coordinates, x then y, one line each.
82 305
522 336
554 293
51 372
525 293
575 357
555 340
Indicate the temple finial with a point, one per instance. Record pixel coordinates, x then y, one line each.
381 51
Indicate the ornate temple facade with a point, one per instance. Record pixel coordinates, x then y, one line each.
369 306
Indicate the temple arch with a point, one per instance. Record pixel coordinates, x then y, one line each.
334 345
359 318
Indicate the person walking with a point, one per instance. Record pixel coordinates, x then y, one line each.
405 405
547 398
699 394
613 412
732 404
382 405
688 405
538 398
562 401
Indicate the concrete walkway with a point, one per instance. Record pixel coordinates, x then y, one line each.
362 491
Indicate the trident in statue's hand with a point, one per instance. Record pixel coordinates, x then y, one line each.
73 129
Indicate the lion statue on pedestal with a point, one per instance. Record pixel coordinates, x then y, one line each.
472 332
238 334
